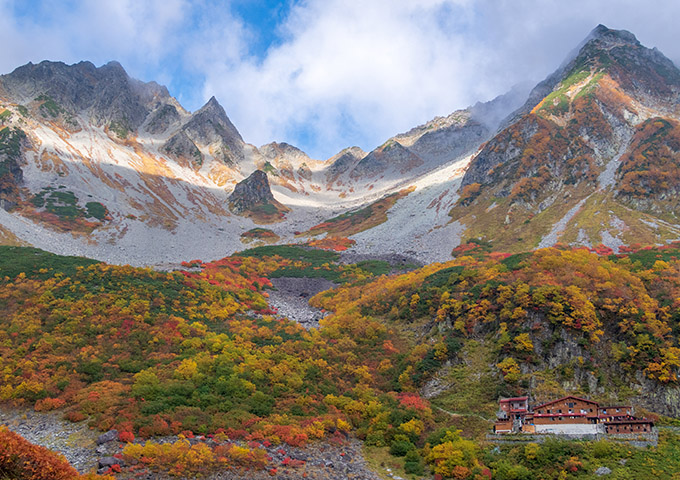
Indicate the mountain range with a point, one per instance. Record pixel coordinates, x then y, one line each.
99 164
236 362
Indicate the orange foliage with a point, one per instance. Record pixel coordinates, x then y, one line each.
22 460
650 168
338 244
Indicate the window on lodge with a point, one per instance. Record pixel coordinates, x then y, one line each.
570 404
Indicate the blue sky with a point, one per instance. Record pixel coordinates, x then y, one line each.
326 74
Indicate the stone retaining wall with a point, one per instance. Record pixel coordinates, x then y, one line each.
633 439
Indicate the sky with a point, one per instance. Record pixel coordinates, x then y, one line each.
326 74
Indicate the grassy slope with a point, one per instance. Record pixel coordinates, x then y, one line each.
356 221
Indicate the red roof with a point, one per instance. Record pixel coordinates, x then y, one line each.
515 399
519 410
565 398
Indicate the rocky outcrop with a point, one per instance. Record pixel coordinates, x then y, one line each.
283 151
12 142
449 143
390 156
430 145
343 162
285 161
210 127
253 196
162 118
110 436
181 146
105 94
503 149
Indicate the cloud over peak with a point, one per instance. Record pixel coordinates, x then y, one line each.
331 73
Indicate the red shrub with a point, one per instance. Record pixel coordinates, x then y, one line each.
22 460
126 436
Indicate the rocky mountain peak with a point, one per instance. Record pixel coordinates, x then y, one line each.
114 68
211 122
343 161
208 127
281 151
212 103
212 111
609 37
644 73
251 192
602 123
106 94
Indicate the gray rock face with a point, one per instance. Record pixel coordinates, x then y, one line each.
251 192
427 146
162 118
109 461
211 126
391 155
107 437
275 150
343 162
285 158
12 143
305 172
106 94
441 146
491 114
181 146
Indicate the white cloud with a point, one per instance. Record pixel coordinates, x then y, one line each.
373 67
139 34
358 72
345 71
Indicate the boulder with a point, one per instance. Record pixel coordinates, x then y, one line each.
107 437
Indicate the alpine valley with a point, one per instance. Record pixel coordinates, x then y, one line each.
355 317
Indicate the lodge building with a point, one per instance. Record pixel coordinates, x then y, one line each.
568 415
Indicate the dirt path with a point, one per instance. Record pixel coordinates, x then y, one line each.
455 414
